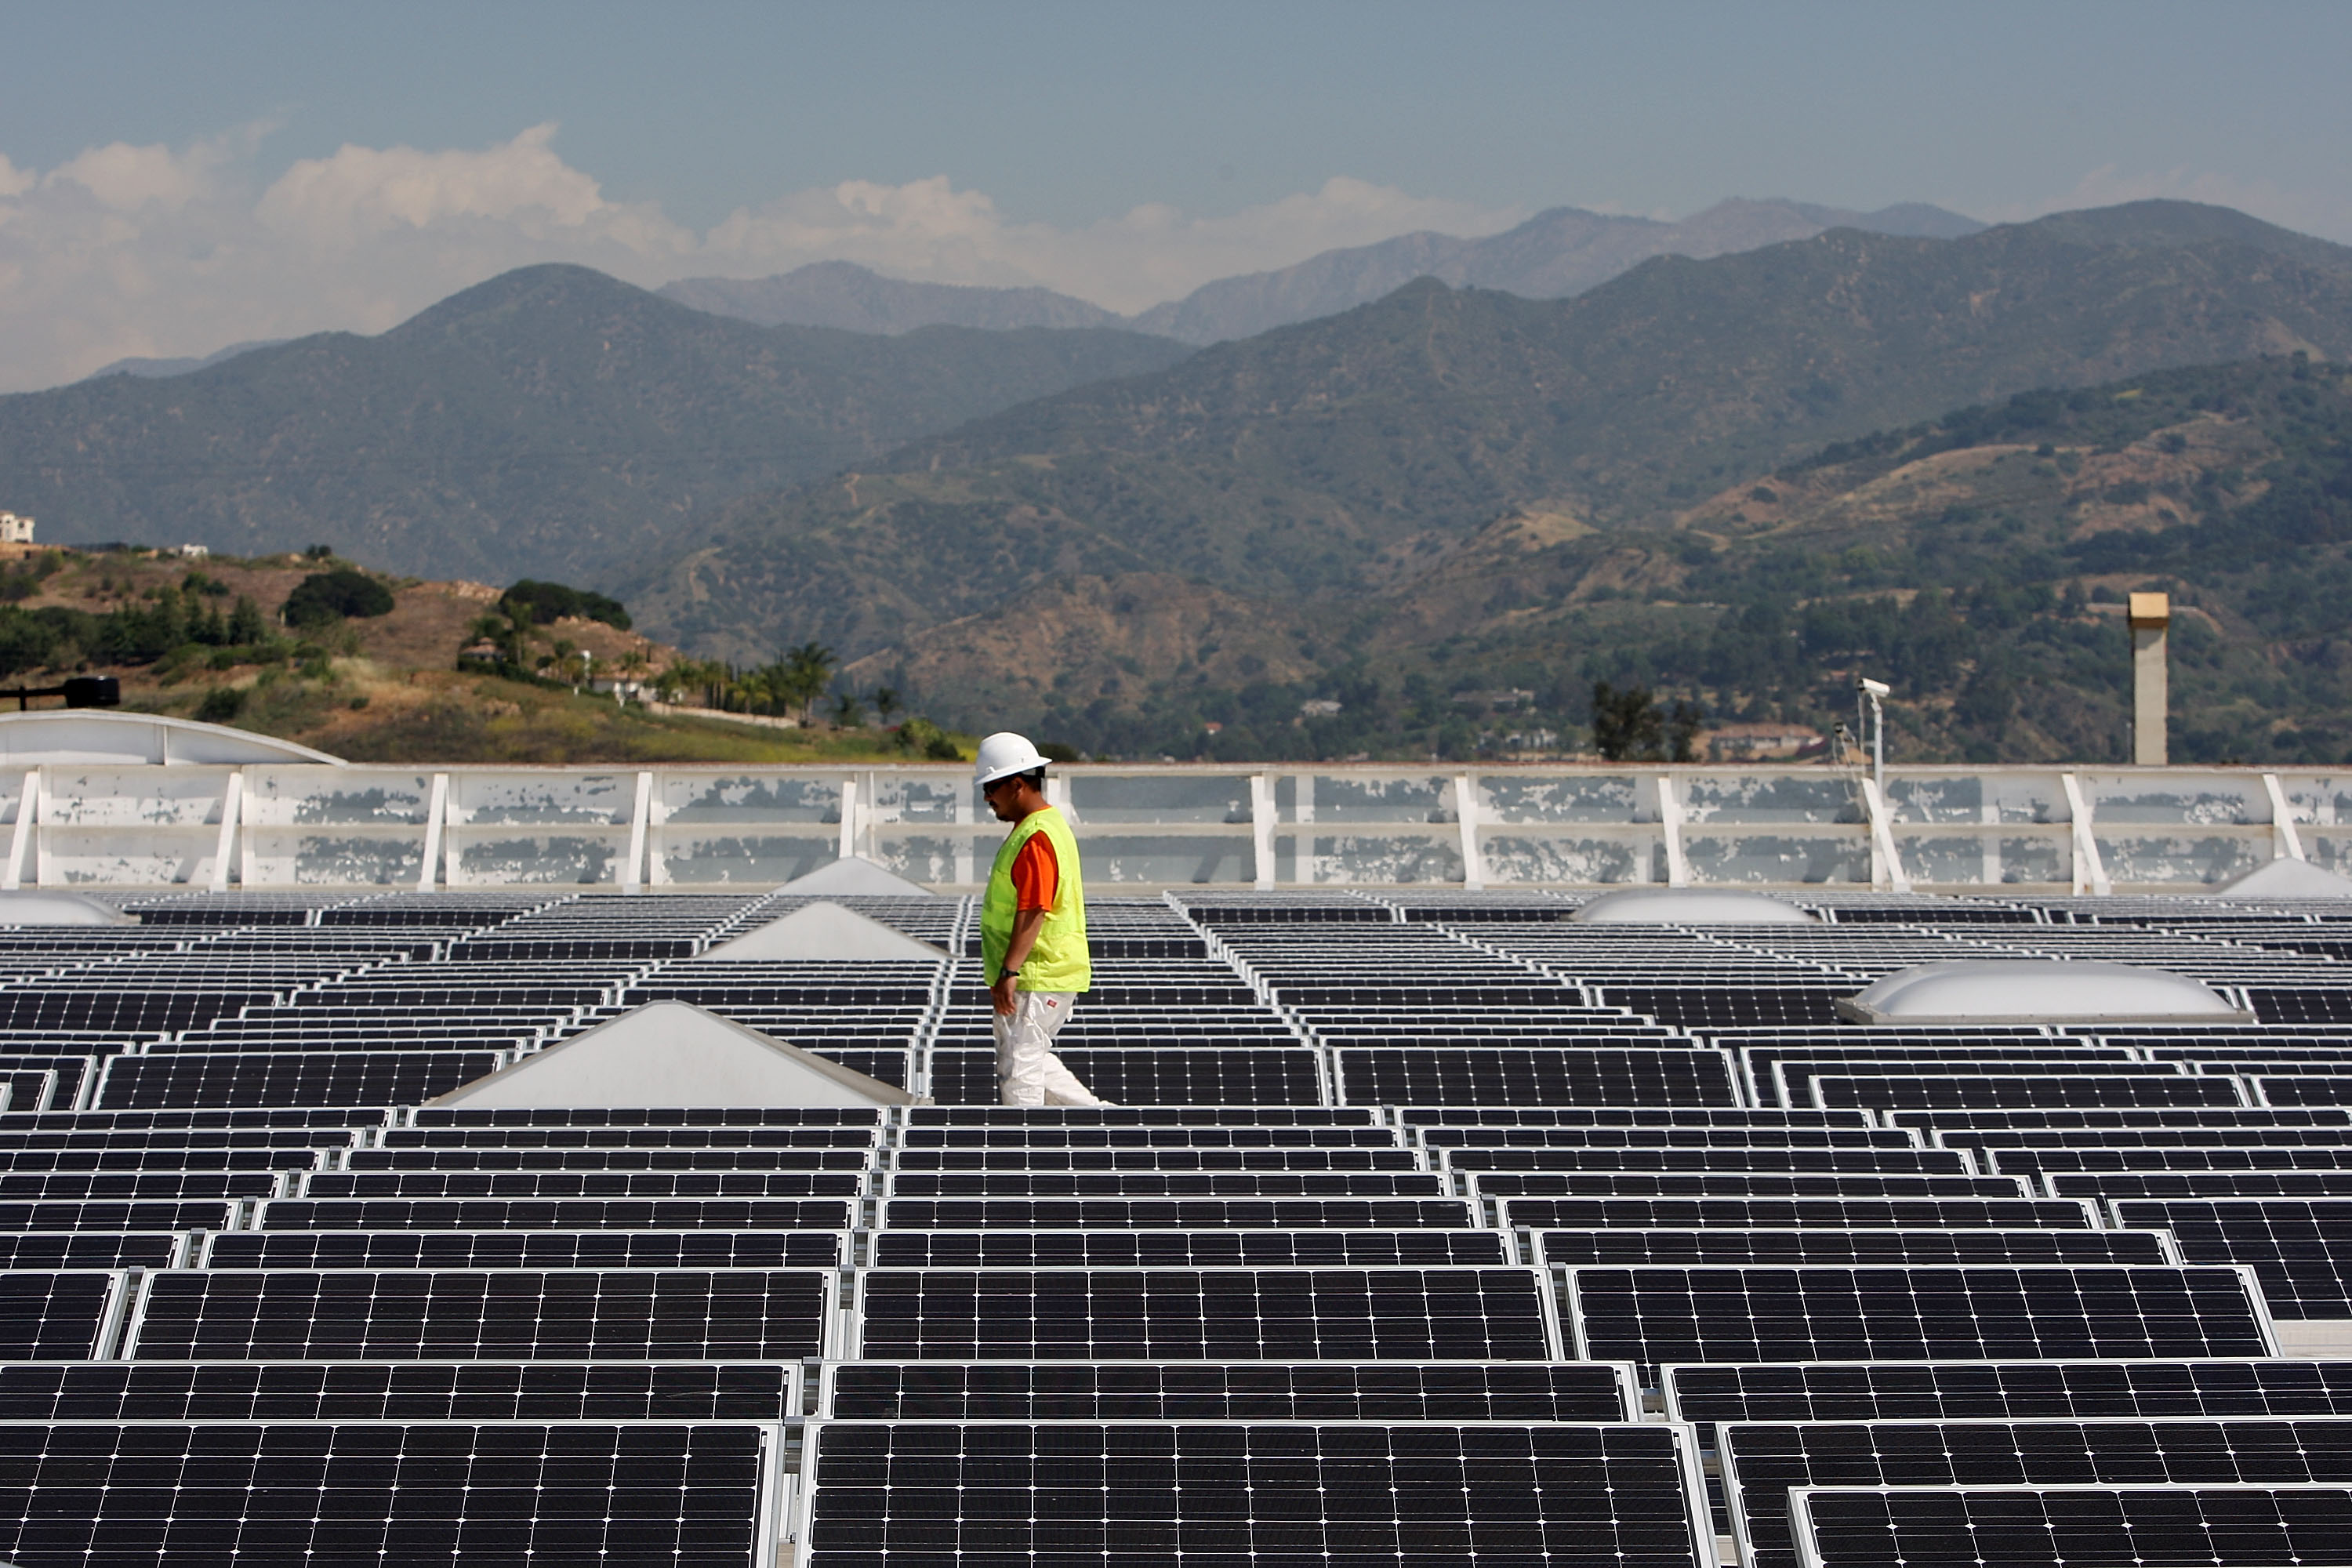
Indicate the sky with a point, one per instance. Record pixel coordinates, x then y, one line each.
175 178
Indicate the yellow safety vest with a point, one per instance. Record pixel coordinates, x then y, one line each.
1059 961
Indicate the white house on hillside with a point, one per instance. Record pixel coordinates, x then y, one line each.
15 530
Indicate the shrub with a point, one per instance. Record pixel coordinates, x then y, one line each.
325 597
537 604
221 704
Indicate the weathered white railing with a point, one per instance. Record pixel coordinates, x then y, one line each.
298 825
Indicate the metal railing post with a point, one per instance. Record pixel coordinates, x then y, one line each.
1670 824
2287 844
2087 870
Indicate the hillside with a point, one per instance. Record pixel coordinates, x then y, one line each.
551 422
858 299
207 640
1309 467
1556 253
1979 562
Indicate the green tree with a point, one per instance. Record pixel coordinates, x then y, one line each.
325 597
1626 725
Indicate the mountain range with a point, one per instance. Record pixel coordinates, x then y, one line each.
1556 253
1313 469
553 422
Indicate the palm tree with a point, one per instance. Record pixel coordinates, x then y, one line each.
809 670
885 702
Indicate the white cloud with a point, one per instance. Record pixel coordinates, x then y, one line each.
2309 212
146 250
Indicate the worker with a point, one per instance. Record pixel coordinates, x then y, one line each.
1033 927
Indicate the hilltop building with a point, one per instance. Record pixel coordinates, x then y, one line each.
16 530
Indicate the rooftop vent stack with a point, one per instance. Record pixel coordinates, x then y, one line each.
2151 618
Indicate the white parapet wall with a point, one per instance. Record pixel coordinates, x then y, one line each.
291 824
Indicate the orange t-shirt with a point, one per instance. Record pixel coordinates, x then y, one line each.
1036 874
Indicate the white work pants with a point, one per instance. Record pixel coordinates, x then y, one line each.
1027 1070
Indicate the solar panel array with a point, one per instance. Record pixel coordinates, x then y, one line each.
1425 1224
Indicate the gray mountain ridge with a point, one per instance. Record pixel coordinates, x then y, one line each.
1555 254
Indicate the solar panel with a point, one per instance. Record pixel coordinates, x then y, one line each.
108 1214
1155 1184
1614 1245
1731 1184
695 1495
1280 1495
686 1159
1534 1075
28 1187
89 1249
526 1250
187 1078
1432 1117
506 1315
2035 1162
402 1391
1972 1313
66 1314
1783 1214
1841 1161
1183 1249
1207 1314
1166 1075
2301 1249
1172 1214
2108 1186
1958 1093
1227 1390
551 1213
1763 1463
2075 1527
1046 1161
574 1185
2011 1391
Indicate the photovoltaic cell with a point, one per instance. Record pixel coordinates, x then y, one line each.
526 1250
402 1391
552 1214
2075 1527
503 1496
1613 1245
2005 1391
575 1184
1183 1249
1763 1463
1977 1312
1231 1391
1172 1214
1781 1214
54 1316
1205 1314
507 1315
1171 1185
2300 1249
1274 1495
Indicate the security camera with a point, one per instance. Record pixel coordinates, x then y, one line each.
1876 687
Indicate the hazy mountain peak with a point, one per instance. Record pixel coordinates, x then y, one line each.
859 299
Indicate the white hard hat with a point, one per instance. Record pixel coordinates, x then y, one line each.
1004 754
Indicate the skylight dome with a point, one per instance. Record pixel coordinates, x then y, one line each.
2037 991
1689 907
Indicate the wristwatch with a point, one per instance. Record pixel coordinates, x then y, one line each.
1008 974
